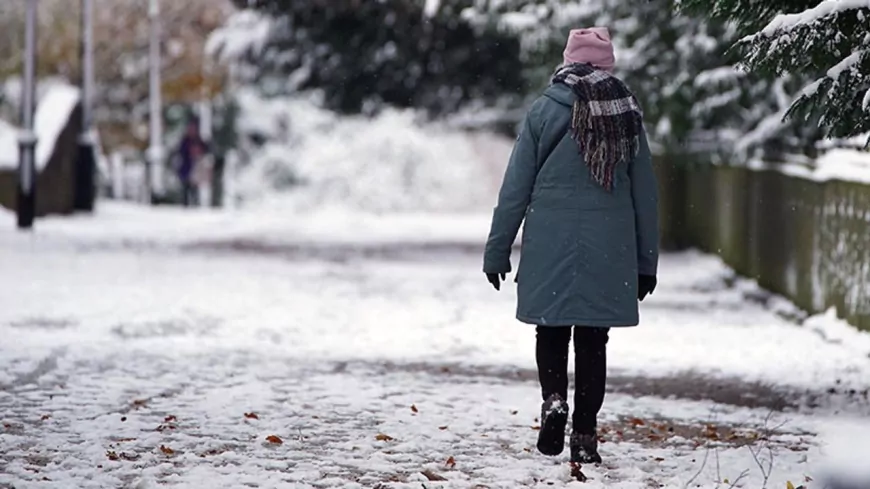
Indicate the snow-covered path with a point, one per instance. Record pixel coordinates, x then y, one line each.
124 365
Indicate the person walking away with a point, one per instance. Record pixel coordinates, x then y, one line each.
190 152
581 177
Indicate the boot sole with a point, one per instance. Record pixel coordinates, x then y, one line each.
551 439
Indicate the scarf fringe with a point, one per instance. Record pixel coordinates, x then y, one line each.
608 139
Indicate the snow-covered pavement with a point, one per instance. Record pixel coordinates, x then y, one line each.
131 360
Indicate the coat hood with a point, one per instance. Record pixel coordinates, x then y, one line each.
561 93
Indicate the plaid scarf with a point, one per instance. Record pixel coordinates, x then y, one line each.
606 121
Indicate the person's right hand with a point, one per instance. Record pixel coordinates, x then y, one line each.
494 279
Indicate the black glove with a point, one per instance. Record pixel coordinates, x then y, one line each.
646 284
494 279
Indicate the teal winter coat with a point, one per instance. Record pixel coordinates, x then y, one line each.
582 246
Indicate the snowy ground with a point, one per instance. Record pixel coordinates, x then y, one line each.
133 358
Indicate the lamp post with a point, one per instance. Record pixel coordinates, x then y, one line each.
26 205
85 169
155 146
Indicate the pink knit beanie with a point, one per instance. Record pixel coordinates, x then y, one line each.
591 46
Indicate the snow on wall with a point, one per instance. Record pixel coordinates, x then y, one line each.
53 111
835 164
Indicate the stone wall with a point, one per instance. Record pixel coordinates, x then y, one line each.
54 184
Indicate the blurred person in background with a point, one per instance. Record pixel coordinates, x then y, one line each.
581 177
190 155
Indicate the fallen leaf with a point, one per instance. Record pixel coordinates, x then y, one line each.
46 416
654 437
451 462
514 412
383 437
808 478
122 440
112 455
432 476
726 481
527 449
660 459
789 485
7 426
169 419
166 450
442 428
577 473
636 422
536 428
252 416
414 409
274 439
137 403
711 433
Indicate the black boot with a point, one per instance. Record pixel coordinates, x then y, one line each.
584 449
554 417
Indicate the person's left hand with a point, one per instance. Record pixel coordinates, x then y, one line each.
646 284
494 279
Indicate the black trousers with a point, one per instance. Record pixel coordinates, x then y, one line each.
590 376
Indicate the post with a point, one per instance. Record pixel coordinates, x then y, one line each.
85 170
117 162
154 175
208 186
26 207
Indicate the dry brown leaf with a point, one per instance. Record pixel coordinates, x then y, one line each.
654 437
45 417
451 462
252 416
123 440
442 428
536 428
414 409
112 455
274 439
170 419
383 437
432 476
166 450
659 459
636 422
577 473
